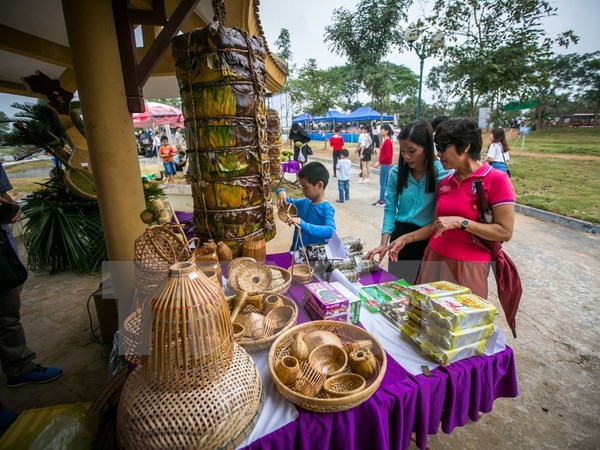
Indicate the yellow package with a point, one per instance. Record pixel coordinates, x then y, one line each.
444 356
460 311
450 340
421 294
410 330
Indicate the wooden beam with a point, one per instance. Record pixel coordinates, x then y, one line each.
162 41
154 16
9 87
25 44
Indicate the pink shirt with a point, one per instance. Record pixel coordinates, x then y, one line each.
454 199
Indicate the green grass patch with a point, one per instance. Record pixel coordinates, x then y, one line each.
28 165
24 186
561 186
568 141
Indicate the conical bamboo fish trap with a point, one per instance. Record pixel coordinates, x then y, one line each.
221 75
274 139
192 337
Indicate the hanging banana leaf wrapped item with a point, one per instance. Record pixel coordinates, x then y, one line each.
221 75
274 139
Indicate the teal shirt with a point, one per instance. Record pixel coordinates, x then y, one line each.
414 205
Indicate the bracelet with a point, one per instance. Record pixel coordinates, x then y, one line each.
413 237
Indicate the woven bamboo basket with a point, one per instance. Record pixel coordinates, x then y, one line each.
277 286
322 402
255 345
219 415
274 140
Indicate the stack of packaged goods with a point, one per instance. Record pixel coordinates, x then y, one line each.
331 301
385 296
447 322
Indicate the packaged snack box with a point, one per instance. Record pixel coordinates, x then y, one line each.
394 310
460 311
410 330
353 302
316 315
325 299
398 289
444 356
454 339
421 294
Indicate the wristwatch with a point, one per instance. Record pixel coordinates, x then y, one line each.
464 224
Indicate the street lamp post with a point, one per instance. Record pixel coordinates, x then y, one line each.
411 35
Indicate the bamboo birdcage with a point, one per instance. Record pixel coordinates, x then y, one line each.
221 75
274 139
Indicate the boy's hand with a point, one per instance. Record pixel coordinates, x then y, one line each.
281 199
293 221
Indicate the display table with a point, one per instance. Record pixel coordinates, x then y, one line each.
403 404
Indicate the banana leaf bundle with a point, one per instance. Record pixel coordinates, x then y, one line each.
274 140
221 75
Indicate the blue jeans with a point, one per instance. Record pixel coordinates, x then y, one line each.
170 168
499 165
384 171
344 190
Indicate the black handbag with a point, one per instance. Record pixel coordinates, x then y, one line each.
308 150
12 269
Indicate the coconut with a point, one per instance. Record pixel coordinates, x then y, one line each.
147 216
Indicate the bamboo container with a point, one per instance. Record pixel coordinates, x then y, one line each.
255 247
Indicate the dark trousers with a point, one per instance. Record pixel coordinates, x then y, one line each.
16 358
336 158
409 258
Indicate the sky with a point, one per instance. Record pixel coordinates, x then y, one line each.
306 20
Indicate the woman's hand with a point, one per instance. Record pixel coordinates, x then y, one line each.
445 223
381 251
397 245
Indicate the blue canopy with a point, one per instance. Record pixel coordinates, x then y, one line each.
331 115
367 113
302 118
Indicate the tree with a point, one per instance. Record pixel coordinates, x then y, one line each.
4 125
387 82
314 90
493 45
365 36
284 45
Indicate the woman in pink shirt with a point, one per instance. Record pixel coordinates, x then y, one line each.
386 154
337 145
455 252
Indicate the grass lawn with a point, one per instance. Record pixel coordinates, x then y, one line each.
568 141
562 186
28 165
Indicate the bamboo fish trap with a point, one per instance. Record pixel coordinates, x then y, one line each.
221 75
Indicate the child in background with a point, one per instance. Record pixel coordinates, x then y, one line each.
180 160
384 163
166 153
315 214
337 144
343 168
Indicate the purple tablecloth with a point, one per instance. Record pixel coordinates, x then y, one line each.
403 404
290 166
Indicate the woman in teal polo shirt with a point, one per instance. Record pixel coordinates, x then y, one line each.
410 202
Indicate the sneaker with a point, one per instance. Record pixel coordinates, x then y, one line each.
39 375
7 417
380 204
339 201
366 180
361 181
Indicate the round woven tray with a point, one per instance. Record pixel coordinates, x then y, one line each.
322 403
255 345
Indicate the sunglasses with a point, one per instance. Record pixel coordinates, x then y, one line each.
441 148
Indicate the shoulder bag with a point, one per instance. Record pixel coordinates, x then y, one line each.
502 153
13 271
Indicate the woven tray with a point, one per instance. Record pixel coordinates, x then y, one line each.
255 345
322 403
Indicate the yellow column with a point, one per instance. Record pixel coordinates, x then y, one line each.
108 125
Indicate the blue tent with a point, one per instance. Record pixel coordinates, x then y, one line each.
332 115
367 114
303 118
